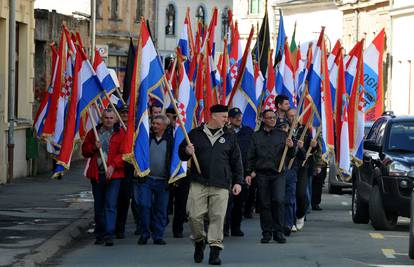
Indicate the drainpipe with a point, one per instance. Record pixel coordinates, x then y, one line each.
92 24
11 85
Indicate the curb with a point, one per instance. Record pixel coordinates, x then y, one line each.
53 245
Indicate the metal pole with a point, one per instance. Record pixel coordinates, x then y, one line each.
93 28
11 85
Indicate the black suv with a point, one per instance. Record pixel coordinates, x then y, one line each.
381 185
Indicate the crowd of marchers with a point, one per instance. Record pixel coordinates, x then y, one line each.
234 172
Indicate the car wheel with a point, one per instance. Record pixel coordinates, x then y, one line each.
380 220
360 210
337 190
411 239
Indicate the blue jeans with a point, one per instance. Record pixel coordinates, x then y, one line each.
105 197
152 198
290 197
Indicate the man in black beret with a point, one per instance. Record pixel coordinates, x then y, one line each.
236 203
218 154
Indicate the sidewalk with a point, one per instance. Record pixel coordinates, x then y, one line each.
40 215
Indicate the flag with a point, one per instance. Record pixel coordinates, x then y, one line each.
261 48
341 119
147 76
294 50
199 89
86 88
245 96
235 59
104 76
351 66
270 93
281 37
374 91
43 110
129 70
334 78
334 53
186 103
319 93
186 42
285 83
208 86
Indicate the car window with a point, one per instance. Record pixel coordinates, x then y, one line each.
372 135
380 134
401 137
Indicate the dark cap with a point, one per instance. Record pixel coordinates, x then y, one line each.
123 108
170 110
234 112
219 108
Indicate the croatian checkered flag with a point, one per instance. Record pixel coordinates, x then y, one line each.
186 104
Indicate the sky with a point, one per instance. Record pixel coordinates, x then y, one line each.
67 8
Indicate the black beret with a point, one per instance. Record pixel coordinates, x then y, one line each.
234 112
123 108
219 108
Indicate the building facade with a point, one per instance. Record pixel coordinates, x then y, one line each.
24 79
170 20
116 22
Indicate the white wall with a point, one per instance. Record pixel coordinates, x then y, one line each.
167 44
401 96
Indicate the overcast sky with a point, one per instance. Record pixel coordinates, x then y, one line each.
64 7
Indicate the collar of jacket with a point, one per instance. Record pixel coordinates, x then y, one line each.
117 127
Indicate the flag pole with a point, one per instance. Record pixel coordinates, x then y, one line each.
308 153
97 139
302 136
294 124
120 95
178 115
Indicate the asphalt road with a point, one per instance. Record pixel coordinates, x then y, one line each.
329 238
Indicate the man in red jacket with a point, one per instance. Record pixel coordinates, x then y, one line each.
105 184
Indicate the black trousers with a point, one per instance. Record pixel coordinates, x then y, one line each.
301 189
317 184
234 213
251 199
179 194
271 193
125 198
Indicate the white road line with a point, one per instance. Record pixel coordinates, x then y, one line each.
344 203
350 212
388 253
376 235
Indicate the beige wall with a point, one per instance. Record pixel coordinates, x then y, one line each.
25 18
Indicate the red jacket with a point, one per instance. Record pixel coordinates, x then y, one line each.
116 149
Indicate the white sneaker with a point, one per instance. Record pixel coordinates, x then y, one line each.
300 223
294 229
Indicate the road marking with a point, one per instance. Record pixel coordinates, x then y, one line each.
344 203
388 253
350 212
376 235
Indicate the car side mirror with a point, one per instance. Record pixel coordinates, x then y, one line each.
371 145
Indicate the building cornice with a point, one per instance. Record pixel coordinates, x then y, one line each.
401 11
346 5
295 4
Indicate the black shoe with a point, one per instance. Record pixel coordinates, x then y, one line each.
178 235
137 232
214 256
159 242
265 239
120 236
99 241
109 242
287 231
142 240
316 207
237 232
248 215
279 238
199 251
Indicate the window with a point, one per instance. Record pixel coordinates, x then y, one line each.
255 6
170 18
224 23
373 133
98 9
139 9
201 15
114 9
